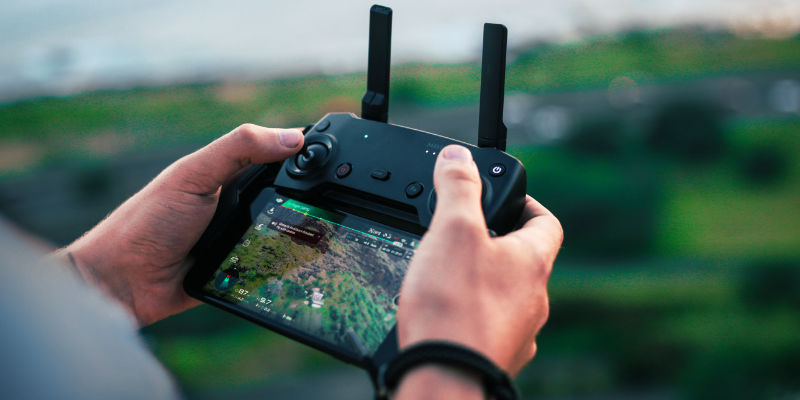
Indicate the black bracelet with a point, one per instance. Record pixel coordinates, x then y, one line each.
496 383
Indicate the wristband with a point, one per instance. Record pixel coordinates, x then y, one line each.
496 382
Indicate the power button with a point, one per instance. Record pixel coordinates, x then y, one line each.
497 169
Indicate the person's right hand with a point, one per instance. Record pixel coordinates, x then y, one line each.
489 294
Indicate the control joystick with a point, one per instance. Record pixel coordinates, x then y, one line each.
313 156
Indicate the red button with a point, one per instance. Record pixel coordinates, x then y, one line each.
343 170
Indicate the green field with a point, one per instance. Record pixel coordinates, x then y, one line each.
104 123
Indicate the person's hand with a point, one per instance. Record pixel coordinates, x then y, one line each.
138 254
462 286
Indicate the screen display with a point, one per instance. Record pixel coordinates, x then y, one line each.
330 275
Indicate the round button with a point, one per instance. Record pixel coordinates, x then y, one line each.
414 189
380 174
322 126
497 169
343 170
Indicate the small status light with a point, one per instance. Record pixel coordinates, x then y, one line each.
366 136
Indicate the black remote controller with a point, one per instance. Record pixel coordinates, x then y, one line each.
316 247
388 169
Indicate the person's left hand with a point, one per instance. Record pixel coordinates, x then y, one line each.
138 254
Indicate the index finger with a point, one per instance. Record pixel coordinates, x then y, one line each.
541 230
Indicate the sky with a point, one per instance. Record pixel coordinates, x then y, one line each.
59 47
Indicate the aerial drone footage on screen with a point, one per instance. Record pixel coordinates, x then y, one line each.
331 275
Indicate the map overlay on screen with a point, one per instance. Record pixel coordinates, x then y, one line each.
330 275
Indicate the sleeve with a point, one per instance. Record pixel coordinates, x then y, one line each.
61 338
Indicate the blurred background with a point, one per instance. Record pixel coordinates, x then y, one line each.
664 134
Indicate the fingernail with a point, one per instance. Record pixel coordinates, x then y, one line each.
456 153
290 137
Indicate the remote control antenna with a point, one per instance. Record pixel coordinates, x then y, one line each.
375 104
491 130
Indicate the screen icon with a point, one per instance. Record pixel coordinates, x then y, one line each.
226 279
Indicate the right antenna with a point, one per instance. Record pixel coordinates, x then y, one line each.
375 104
491 130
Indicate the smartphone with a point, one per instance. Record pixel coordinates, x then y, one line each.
317 273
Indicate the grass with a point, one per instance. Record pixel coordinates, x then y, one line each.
648 57
650 283
715 211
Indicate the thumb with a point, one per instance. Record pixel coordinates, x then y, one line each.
205 170
458 191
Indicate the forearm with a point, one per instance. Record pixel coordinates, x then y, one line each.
439 382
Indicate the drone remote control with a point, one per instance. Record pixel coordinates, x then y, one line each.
316 247
389 168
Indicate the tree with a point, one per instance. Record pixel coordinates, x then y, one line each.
690 130
334 314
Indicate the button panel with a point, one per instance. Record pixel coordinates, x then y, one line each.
387 166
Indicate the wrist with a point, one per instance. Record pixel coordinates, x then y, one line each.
459 368
94 269
472 336
64 257
439 381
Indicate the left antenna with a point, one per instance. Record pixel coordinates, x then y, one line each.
375 104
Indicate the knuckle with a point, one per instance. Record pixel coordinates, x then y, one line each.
537 261
460 194
560 229
460 173
541 268
245 133
467 227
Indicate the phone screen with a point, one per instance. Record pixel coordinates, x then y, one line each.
330 275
